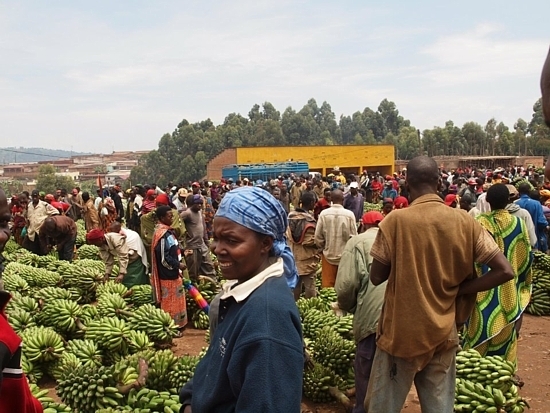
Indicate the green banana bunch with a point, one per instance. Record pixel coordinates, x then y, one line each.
110 334
66 363
56 408
316 383
32 371
88 313
112 287
139 341
80 232
86 351
20 319
333 351
41 395
61 315
42 344
140 295
160 365
306 304
201 321
112 305
15 283
11 246
314 320
88 252
153 401
540 296
158 324
26 304
182 371
328 296
52 293
87 389
486 384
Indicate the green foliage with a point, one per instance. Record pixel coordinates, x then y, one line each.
48 181
11 187
182 156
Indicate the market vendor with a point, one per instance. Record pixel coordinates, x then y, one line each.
111 246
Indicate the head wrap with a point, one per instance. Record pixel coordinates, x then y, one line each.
162 199
256 209
94 235
401 202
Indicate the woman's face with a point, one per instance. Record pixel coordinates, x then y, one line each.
242 253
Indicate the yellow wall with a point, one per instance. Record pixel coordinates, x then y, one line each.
352 158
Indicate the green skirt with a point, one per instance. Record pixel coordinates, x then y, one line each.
135 274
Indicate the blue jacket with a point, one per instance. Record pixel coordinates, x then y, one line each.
255 359
539 220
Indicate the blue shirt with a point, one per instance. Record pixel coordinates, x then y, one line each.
539 220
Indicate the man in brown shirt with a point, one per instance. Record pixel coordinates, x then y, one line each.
429 272
59 230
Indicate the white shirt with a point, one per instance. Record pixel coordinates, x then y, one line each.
241 291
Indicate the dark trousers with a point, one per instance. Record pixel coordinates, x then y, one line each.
66 251
33 246
364 356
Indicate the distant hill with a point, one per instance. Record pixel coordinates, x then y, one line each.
20 154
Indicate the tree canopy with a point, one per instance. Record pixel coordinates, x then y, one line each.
48 181
182 155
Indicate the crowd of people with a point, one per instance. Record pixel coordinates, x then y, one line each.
449 251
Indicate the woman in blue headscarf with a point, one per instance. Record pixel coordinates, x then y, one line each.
255 359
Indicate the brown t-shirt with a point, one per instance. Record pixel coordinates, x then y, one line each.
431 249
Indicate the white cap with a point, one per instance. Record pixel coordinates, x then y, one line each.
354 185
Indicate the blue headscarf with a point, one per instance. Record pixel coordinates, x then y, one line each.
256 209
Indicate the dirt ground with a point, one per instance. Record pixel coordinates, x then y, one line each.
534 367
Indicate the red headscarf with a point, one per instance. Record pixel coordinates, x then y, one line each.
401 202
94 235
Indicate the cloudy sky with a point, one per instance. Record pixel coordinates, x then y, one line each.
115 75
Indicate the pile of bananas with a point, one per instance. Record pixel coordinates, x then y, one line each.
87 389
333 351
367 207
35 277
156 323
42 344
88 252
540 297
182 371
486 384
140 295
10 247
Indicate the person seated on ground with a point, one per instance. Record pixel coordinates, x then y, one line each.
254 320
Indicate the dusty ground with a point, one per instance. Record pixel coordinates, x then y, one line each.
534 367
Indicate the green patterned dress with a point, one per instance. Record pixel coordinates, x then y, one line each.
491 327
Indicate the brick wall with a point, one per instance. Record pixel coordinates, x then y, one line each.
214 167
